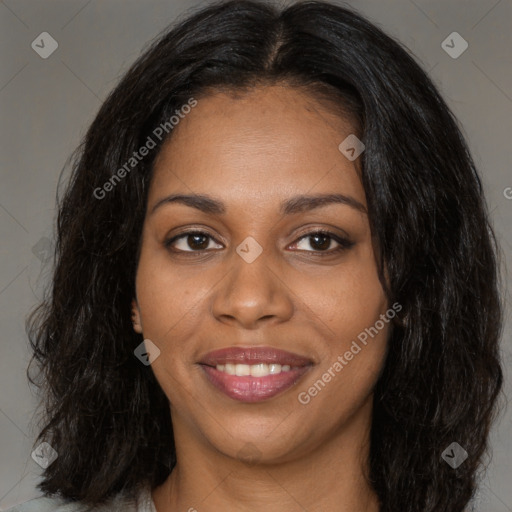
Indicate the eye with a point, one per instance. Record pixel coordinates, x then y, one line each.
321 242
190 241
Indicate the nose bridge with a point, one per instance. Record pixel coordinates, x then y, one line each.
251 290
252 265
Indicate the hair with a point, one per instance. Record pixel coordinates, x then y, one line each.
105 413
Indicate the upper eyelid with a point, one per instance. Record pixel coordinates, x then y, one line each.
311 232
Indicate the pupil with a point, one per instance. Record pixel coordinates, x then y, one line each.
325 238
195 245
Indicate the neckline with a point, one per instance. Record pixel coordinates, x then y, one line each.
146 500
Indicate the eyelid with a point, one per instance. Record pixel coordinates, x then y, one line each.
344 242
193 231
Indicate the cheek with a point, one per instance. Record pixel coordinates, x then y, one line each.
350 304
167 298
347 300
168 303
361 301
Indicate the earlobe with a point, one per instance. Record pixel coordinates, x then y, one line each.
137 326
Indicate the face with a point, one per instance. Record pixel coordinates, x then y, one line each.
250 270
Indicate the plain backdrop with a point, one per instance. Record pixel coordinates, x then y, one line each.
47 104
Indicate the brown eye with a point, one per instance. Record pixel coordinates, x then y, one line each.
191 241
321 241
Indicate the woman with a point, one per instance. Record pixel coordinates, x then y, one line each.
276 283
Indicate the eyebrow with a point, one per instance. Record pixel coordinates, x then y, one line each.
296 204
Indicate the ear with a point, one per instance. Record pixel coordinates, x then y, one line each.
137 326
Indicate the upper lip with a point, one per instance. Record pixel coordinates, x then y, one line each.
254 355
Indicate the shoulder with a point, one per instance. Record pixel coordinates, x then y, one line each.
45 505
141 502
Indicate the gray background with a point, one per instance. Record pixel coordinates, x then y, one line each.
47 104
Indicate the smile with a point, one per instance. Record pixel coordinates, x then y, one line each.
253 374
250 388
254 370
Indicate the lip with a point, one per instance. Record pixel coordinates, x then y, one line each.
253 389
254 355
249 388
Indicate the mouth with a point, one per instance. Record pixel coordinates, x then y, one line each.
253 374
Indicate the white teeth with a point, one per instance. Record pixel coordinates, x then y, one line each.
229 368
241 370
255 370
259 370
274 368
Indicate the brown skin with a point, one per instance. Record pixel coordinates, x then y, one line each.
252 153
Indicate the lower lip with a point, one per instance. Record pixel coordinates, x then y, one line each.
253 389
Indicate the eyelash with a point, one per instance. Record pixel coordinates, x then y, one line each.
344 243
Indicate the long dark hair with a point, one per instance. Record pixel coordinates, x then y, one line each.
105 413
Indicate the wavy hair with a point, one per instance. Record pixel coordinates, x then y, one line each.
105 413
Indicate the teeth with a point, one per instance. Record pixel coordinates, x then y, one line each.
274 368
259 370
229 368
241 370
255 370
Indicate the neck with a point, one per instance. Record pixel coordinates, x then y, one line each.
329 478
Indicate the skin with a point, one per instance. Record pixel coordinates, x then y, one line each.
252 152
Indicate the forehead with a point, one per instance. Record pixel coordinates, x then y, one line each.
271 141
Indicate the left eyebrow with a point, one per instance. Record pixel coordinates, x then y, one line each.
300 204
296 204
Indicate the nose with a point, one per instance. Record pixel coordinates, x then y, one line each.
252 293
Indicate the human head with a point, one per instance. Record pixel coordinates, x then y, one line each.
426 213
